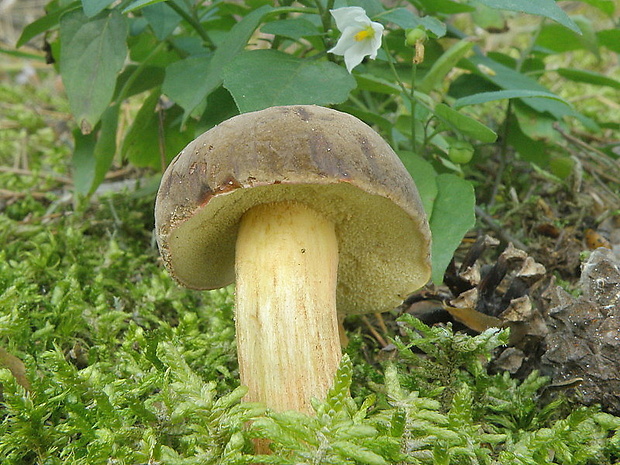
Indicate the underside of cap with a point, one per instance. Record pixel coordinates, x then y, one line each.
320 157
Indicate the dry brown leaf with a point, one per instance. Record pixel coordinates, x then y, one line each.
16 367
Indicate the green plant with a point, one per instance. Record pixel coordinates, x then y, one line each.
125 367
103 359
188 65
409 419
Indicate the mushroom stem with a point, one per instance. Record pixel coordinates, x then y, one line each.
287 327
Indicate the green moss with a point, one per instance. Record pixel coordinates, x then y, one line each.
88 308
34 140
126 367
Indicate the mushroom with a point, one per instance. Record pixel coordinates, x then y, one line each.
308 210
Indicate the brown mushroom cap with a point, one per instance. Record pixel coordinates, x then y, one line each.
328 160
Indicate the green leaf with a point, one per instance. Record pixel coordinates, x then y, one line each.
488 18
45 23
535 125
423 175
453 215
376 84
505 94
259 79
509 79
371 118
143 77
220 107
588 34
93 53
137 4
469 84
546 8
406 19
559 39
200 86
589 77
444 64
554 38
294 28
445 6
373 8
24 55
610 38
94 153
465 124
531 150
147 136
146 50
141 143
94 7
180 80
162 19
606 6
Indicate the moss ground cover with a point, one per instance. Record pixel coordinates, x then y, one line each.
105 360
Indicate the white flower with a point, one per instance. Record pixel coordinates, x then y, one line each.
360 36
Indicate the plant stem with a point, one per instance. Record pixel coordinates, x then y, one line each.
326 21
192 22
508 118
394 72
409 94
503 153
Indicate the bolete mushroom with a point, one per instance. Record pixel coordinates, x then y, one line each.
308 210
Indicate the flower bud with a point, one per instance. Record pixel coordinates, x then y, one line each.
460 152
415 36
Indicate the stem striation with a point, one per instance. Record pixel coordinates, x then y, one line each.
287 327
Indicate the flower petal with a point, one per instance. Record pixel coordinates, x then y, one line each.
356 42
354 55
349 16
346 41
375 42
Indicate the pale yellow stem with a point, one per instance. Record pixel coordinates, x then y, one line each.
287 327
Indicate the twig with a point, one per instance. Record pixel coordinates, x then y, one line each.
495 226
600 156
23 172
381 322
8 194
594 170
374 332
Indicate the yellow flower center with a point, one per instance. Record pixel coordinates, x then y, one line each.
364 34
